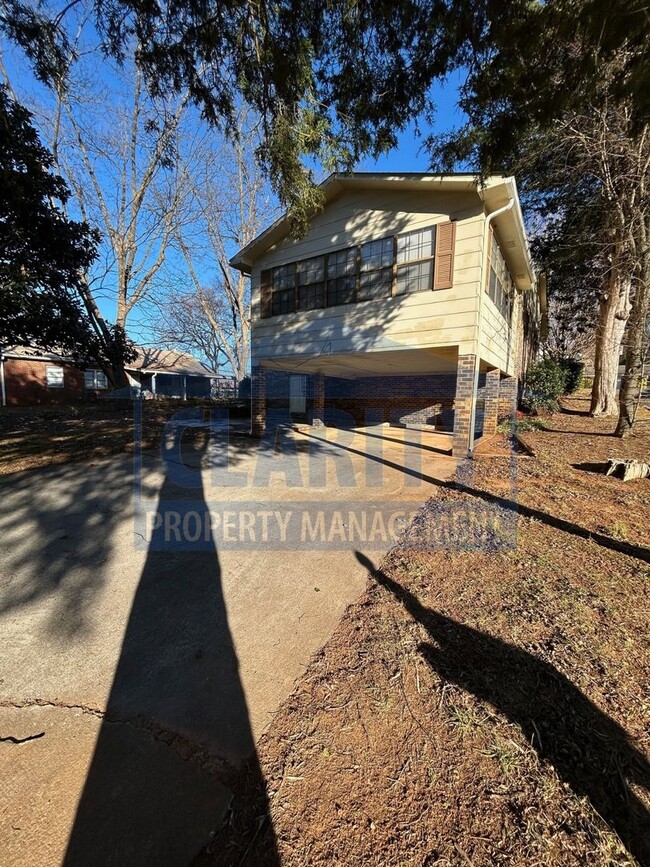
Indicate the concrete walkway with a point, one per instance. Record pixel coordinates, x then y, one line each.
151 624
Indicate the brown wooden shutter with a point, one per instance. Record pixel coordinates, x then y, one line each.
443 269
265 294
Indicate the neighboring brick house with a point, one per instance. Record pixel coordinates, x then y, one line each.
410 301
30 377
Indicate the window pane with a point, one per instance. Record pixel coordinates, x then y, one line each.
311 297
342 263
493 285
284 301
311 271
102 381
375 284
377 254
341 291
54 377
89 378
416 245
284 276
414 278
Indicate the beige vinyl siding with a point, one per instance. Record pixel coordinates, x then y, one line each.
498 341
355 217
408 321
444 317
494 337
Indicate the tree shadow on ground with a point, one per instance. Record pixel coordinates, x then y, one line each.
176 725
589 751
463 472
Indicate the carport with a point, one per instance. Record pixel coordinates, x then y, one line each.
432 390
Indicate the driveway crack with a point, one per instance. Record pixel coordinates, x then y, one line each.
13 740
186 749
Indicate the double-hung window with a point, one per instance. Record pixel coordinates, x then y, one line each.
311 283
415 255
95 379
341 277
375 269
283 289
500 285
411 262
54 377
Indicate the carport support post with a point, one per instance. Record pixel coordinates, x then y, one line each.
508 393
258 401
318 419
491 415
465 377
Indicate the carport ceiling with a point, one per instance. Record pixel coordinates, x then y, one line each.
400 362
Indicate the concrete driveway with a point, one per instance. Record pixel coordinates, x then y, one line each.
153 617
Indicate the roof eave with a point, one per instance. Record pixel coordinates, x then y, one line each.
245 258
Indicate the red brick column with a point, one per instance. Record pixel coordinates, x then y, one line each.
463 403
492 378
258 407
318 419
508 392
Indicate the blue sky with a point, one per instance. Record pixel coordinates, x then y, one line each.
408 156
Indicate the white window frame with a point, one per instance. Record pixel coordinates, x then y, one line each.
99 380
58 380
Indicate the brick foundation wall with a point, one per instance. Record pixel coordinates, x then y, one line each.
418 399
26 383
423 399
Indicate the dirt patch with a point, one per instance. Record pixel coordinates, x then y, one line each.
566 479
484 702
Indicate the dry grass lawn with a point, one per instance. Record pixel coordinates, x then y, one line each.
483 703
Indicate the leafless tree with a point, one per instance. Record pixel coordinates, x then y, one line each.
230 197
605 147
194 322
120 153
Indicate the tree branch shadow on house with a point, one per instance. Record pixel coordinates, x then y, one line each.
589 751
176 730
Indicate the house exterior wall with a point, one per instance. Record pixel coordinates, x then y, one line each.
444 317
424 399
26 383
500 340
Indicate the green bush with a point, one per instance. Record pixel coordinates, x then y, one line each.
573 370
522 425
545 382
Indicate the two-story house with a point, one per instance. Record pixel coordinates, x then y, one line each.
410 301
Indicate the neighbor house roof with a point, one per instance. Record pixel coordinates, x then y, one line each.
36 354
150 360
495 192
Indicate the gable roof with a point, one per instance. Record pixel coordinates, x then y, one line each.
494 191
151 360
148 360
34 353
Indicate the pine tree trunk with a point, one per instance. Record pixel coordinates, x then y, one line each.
612 319
634 351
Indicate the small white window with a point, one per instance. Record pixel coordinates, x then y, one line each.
95 379
54 377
